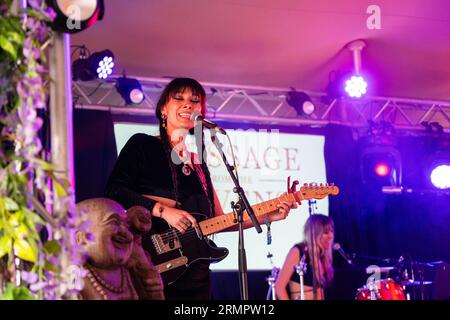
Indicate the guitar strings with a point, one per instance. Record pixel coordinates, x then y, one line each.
169 235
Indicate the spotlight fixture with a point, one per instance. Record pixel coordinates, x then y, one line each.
356 86
382 169
436 127
438 166
432 127
74 15
130 90
97 65
301 102
380 166
379 157
440 176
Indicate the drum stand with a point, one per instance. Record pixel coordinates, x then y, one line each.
271 295
301 271
374 290
405 279
312 204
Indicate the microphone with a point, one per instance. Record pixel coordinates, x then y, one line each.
337 247
197 116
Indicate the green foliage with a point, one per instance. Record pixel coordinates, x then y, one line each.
19 293
12 37
22 173
52 247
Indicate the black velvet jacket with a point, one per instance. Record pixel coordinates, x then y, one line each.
142 168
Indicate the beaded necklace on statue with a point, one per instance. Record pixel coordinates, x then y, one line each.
98 283
97 286
105 284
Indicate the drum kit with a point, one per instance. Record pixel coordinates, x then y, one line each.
386 289
403 281
402 286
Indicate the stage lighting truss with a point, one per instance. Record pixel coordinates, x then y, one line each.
268 105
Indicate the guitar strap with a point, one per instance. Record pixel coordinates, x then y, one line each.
269 234
200 174
202 179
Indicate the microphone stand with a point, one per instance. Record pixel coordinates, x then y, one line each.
239 208
301 270
271 294
313 254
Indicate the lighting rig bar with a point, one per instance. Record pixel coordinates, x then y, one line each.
267 105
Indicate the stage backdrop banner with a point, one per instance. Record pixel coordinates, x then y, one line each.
265 158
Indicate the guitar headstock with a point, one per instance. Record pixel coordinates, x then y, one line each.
318 191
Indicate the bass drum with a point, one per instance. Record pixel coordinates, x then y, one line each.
386 289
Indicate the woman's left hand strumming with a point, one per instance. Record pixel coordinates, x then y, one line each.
283 210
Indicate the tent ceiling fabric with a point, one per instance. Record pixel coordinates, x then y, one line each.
280 43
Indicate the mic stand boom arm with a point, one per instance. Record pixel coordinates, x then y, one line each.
239 208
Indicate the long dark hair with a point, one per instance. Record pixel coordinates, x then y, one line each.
173 87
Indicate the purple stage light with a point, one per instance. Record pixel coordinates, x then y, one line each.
440 177
356 87
130 90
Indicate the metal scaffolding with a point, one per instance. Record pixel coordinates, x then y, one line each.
267 105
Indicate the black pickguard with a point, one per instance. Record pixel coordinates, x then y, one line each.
188 246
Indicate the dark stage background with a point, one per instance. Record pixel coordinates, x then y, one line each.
368 223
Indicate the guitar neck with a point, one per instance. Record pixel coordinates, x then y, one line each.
228 220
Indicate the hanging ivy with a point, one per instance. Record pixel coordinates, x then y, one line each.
27 182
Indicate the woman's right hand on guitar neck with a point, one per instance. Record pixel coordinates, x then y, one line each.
179 219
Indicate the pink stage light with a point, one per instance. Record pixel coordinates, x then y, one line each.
382 169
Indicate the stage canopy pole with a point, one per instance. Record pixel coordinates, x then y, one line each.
61 111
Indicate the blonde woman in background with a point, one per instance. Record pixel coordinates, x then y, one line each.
320 228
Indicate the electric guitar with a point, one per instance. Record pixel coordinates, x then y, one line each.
173 252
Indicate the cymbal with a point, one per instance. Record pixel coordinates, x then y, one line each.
415 283
370 270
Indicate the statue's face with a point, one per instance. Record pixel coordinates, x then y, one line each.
113 241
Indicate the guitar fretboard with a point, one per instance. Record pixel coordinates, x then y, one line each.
227 220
